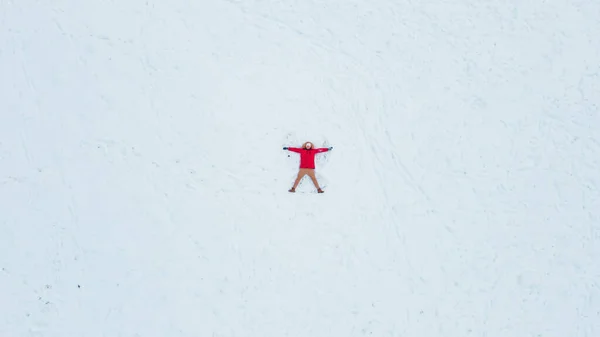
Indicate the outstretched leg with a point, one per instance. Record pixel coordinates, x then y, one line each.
301 174
313 177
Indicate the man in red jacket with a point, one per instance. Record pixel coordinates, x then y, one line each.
307 163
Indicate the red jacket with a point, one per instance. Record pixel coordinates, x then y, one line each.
307 157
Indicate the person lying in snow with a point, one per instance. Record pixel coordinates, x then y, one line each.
307 163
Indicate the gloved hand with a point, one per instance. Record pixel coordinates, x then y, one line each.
285 148
331 148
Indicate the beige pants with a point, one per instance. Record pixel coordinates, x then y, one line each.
310 173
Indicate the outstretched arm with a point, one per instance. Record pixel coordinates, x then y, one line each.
293 149
323 149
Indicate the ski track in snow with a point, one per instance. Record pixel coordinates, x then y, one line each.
143 187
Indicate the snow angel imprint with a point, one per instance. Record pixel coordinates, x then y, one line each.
307 163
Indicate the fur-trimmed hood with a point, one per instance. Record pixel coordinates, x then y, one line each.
304 145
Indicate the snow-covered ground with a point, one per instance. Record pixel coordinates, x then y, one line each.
143 185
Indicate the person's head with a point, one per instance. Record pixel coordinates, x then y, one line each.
307 146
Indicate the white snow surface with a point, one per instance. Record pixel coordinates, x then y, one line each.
143 185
